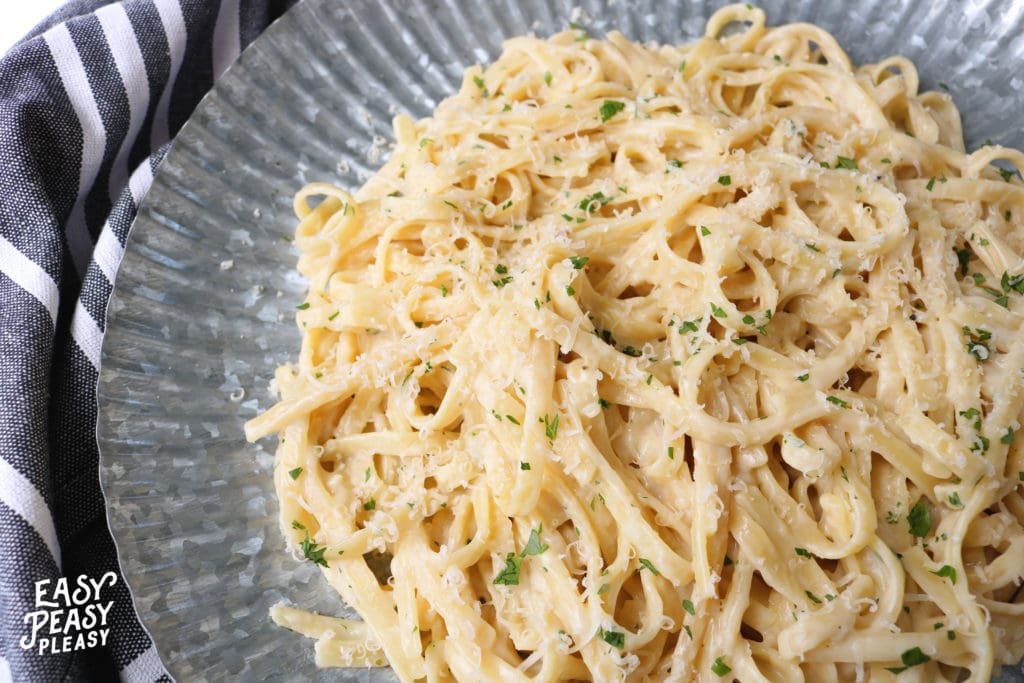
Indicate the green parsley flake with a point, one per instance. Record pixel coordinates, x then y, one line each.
947 572
610 108
920 520
689 325
484 92
303 306
911 657
616 639
534 545
931 184
524 465
976 343
688 606
835 400
720 668
846 163
578 261
370 504
294 474
547 77
704 231
803 552
509 575
803 378
646 564
718 312
311 551
812 597
551 427
724 180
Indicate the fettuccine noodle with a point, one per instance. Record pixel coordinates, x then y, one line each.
643 362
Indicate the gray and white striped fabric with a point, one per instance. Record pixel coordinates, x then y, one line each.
89 104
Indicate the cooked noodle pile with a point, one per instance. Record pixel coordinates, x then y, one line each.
665 363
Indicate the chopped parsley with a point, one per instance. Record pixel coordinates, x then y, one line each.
704 231
1014 282
646 564
578 261
1007 438
947 572
551 427
835 400
911 657
812 597
720 668
846 163
534 545
689 325
294 474
724 180
718 312
593 202
524 465
370 504
484 92
1007 174
501 269
920 520
803 378
977 343
954 500
610 108
303 306
547 77
616 639
688 606
931 184
803 552
509 575
310 550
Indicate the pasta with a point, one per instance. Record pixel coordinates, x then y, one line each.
654 362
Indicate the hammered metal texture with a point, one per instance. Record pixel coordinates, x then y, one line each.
203 306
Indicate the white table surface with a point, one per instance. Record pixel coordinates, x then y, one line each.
18 17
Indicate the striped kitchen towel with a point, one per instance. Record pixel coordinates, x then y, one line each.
89 104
